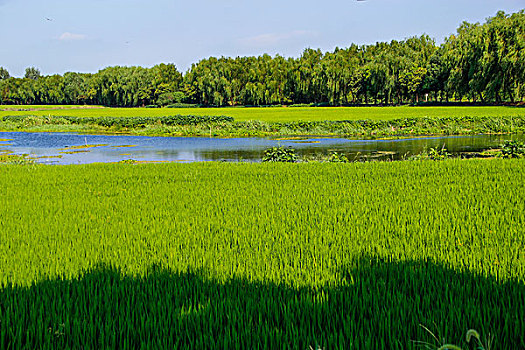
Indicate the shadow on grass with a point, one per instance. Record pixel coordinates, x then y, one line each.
380 305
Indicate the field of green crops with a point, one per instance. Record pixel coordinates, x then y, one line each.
285 114
278 256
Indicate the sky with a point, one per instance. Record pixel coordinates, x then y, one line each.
58 36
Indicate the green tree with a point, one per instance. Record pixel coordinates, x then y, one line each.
32 73
480 62
4 74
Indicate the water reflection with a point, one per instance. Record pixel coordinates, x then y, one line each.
69 148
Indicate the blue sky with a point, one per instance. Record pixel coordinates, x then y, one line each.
88 35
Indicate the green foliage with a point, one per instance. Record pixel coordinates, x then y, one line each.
512 149
215 255
432 154
285 114
15 159
472 337
120 122
411 80
32 73
171 98
128 161
336 157
486 60
301 105
279 154
182 105
192 125
4 74
438 153
480 63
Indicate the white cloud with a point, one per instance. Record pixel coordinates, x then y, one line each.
71 36
271 39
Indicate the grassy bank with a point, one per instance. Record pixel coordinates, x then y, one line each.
214 255
223 126
275 121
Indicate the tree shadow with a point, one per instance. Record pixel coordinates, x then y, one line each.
379 305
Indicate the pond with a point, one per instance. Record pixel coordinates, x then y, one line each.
71 148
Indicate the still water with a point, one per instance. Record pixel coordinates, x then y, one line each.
70 148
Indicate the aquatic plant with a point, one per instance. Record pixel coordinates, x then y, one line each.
279 154
336 157
512 149
9 158
438 153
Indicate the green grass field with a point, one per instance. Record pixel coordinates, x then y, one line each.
213 255
286 114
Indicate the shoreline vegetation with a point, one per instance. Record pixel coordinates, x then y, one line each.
224 126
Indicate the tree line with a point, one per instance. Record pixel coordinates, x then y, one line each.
480 63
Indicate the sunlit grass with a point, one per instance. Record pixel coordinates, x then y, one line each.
211 255
288 114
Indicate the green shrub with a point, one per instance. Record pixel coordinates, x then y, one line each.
321 104
301 105
169 98
182 105
120 122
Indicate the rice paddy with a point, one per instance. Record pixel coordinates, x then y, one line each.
283 114
214 255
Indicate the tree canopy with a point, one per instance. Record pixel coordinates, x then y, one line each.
480 62
32 73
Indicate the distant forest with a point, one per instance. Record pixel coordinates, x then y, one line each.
480 63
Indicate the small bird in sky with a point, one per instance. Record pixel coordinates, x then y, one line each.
49 19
